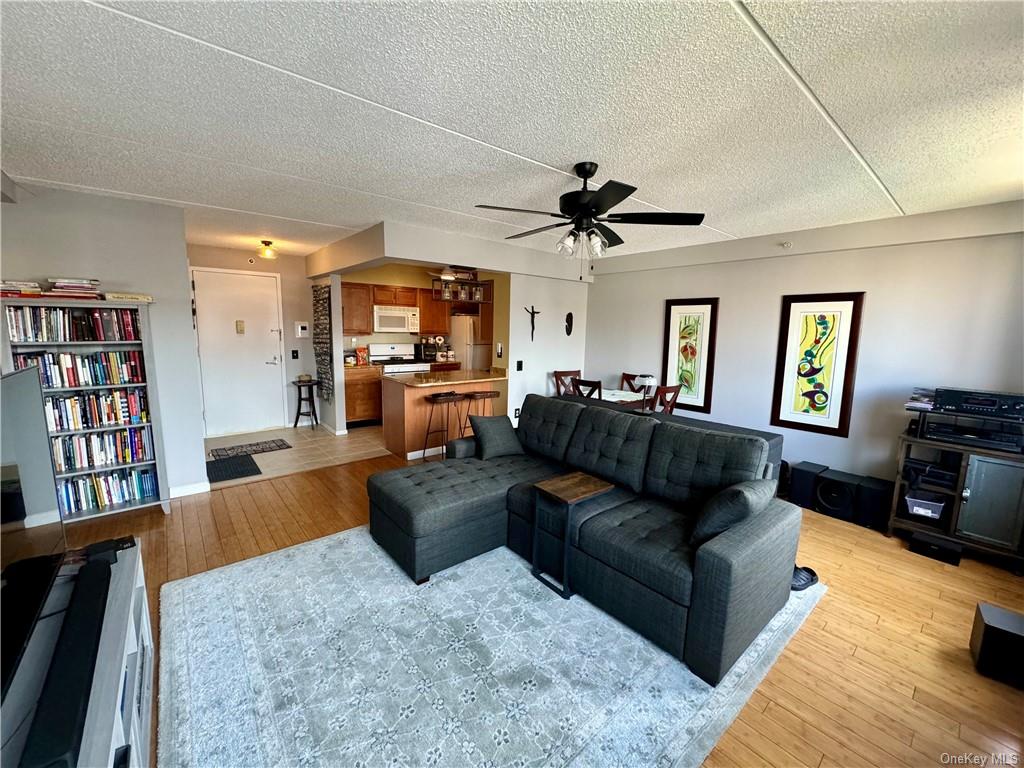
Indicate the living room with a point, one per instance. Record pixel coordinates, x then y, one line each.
504 384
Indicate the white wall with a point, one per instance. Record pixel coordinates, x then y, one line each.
551 349
130 246
935 313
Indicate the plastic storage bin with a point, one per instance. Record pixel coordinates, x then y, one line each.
925 504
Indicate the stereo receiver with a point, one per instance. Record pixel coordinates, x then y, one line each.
981 404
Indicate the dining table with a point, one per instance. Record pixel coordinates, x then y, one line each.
623 397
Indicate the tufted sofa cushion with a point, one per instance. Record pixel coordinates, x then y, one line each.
687 464
523 500
611 445
647 540
545 425
422 499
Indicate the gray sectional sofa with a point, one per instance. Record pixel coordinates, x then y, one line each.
631 550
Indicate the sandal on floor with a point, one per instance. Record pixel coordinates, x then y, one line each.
803 578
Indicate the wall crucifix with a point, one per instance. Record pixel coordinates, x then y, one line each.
532 312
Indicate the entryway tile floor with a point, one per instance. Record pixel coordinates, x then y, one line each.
310 449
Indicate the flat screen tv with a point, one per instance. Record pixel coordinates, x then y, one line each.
32 541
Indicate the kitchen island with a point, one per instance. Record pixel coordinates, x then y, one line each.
406 409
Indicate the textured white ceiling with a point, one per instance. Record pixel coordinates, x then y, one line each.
333 116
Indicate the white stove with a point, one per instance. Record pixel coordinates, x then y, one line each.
397 358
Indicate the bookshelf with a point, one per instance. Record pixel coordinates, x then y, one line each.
94 360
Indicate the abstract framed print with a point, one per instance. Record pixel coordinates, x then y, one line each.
816 362
688 357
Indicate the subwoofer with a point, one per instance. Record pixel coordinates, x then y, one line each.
836 494
803 479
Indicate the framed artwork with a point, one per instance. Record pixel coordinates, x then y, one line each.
816 362
689 352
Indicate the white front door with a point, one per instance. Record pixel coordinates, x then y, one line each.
238 323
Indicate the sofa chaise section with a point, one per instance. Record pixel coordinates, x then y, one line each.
434 515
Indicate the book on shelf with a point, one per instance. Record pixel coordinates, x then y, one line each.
21 289
64 370
135 298
96 410
94 493
73 453
62 324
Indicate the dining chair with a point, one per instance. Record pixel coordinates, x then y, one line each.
563 381
628 381
664 399
587 388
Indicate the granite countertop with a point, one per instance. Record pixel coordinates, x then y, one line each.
445 378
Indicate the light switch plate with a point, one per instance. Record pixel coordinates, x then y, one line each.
240 327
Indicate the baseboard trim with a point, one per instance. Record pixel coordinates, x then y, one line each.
429 452
336 432
32 521
190 489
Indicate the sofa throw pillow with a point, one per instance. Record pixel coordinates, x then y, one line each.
495 436
730 506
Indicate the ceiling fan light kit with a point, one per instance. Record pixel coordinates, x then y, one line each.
586 211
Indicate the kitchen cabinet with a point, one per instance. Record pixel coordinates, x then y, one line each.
363 393
395 295
435 315
487 317
356 309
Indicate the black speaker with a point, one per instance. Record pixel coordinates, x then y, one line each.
836 494
935 548
874 500
803 478
997 643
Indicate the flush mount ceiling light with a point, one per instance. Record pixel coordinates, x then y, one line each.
266 251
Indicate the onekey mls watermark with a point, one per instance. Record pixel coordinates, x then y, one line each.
983 760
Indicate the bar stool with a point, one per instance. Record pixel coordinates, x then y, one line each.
444 399
482 397
307 394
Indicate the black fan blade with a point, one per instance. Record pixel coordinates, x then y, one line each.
539 229
671 219
609 234
523 210
608 196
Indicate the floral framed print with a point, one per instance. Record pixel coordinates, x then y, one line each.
816 362
688 357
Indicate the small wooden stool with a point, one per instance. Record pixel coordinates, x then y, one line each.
306 395
481 397
446 399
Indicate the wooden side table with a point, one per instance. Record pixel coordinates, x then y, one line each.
569 490
307 394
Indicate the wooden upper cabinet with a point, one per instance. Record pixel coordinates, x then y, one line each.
487 318
356 309
435 316
394 295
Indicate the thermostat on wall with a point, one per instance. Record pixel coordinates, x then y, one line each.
301 329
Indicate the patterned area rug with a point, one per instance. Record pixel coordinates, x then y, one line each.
327 654
247 449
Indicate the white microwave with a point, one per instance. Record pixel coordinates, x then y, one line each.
396 319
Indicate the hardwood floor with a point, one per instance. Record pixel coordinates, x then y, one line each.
879 675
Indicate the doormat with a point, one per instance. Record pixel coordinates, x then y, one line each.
263 446
231 468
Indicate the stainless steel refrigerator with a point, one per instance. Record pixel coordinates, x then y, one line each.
465 341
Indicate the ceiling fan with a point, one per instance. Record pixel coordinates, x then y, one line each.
587 212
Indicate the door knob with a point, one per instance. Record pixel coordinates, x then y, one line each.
966 495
